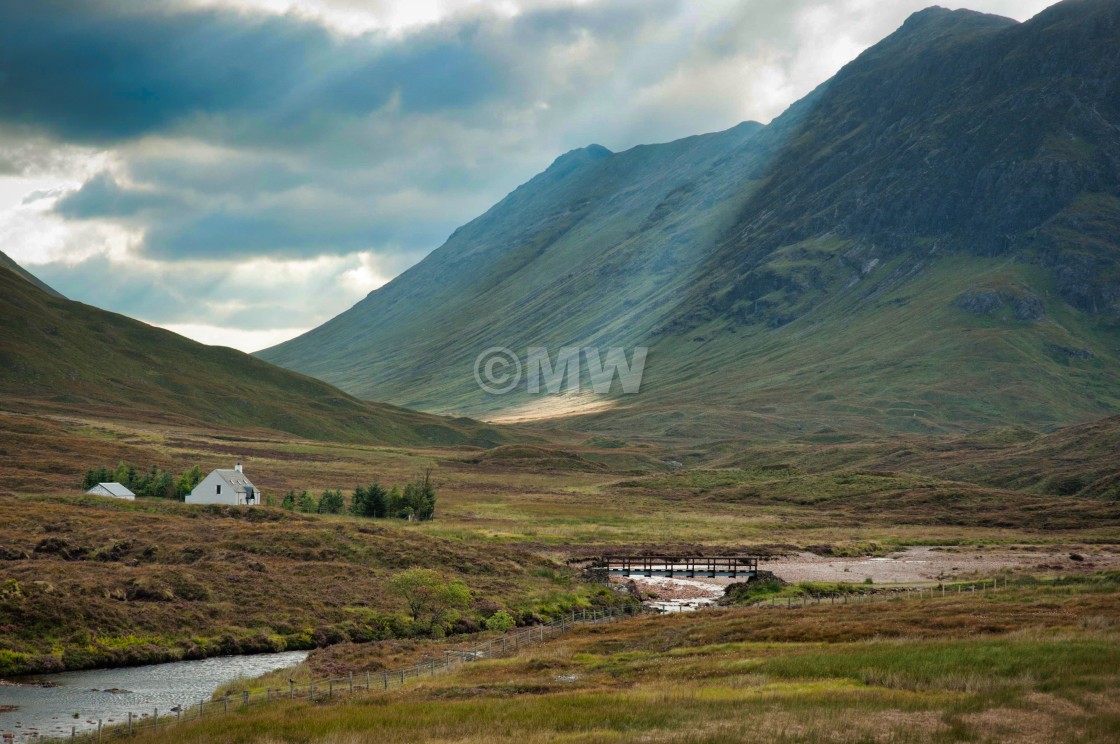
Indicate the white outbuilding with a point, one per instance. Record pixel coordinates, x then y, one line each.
225 487
112 490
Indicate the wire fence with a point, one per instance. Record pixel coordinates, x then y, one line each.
891 595
155 721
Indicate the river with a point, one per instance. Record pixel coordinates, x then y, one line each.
28 709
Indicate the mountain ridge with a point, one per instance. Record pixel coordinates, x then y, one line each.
737 255
7 263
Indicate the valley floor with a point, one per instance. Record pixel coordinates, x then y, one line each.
96 582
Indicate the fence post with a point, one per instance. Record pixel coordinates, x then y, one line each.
73 733
351 683
330 687
311 691
225 703
98 731
292 688
386 674
245 697
155 719
201 708
130 723
367 681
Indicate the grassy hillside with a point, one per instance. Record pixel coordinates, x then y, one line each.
903 349
1079 460
98 582
62 356
925 243
1076 461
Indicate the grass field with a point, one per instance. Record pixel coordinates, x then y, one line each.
1035 662
100 582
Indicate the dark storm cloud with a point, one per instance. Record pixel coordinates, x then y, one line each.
229 214
101 196
248 134
105 72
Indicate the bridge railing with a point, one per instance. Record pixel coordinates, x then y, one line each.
683 566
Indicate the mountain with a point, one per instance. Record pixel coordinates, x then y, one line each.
60 356
927 242
10 265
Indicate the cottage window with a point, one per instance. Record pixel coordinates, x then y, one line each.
219 491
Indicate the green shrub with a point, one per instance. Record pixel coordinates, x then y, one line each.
500 621
12 662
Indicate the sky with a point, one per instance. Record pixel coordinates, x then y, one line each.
240 171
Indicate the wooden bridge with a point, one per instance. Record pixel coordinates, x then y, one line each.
679 567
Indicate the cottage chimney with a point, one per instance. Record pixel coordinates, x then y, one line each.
238 468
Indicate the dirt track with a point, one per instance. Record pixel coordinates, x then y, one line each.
924 565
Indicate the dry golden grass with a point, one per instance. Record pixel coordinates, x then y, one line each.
1027 673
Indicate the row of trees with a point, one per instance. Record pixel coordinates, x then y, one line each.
153 483
416 501
330 502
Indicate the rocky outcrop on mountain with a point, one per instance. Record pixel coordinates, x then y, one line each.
1022 304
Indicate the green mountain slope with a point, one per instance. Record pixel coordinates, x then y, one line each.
535 265
929 241
61 356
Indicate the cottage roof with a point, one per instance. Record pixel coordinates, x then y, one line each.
237 479
116 489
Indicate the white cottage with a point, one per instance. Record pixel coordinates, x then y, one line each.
225 487
112 490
